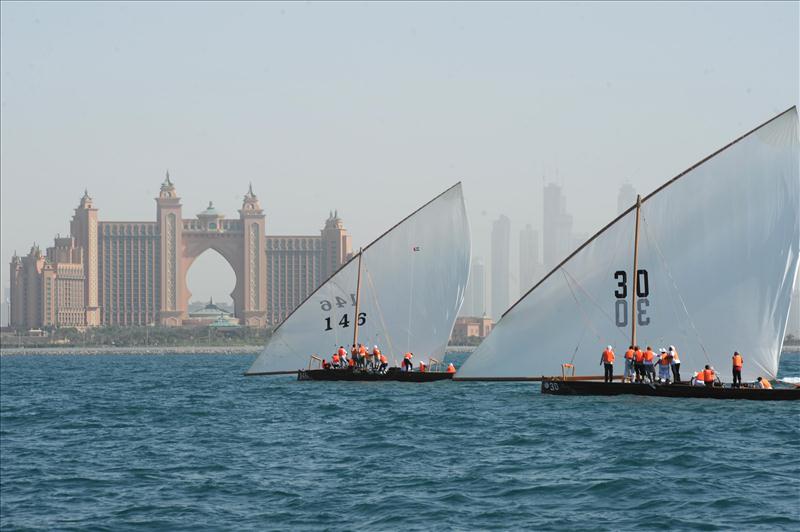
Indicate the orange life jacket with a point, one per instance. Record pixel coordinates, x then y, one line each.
362 350
383 359
737 362
649 355
639 356
351 362
376 352
608 356
342 352
629 354
407 356
354 351
765 384
664 360
708 375
422 367
336 358
451 368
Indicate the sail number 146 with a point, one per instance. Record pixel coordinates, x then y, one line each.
642 301
340 302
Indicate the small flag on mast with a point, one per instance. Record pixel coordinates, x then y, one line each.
416 248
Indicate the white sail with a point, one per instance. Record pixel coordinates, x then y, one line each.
412 285
718 257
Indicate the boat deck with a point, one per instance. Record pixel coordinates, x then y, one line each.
558 386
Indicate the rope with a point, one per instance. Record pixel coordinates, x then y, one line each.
588 322
678 292
380 313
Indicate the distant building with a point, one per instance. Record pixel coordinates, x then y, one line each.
209 313
134 273
530 269
626 198
556 227
475 296
4 310
470 326
501 234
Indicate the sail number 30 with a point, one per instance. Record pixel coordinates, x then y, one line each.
642 301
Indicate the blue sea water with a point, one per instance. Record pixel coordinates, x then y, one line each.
187 443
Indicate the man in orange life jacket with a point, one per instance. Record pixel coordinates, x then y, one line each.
342 352
638 363
407 364
384 362
629 364
709 376
649 361
335 360
451 368
664 361
607 360
362 356
763 383
738 362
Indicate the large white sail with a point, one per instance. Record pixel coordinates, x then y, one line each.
718 257
412 285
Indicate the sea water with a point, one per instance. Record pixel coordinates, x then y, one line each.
186 442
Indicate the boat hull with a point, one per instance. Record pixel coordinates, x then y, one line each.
393 374
562 387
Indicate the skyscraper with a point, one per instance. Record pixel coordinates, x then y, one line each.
556 226
501 235
625 198
475 297
529 267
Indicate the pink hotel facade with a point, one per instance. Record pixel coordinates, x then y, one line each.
134 273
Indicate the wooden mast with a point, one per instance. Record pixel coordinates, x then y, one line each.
358 300
635 270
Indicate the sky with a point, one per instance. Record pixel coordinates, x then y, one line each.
371 108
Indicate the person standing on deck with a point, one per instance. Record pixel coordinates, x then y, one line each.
649 361
354 354
343 356
738 362
638 358
676 363
607 360
663 366
407 364
709 376
629 364
376 356
362 356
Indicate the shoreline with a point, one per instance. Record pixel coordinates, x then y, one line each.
151 350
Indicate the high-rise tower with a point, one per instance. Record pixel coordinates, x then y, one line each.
501 235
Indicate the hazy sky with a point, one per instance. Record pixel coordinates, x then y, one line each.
371 108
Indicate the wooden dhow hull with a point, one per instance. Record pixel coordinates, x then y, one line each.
558 386
392 374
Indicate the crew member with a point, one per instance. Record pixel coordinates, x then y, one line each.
709 376
422 367
335 360
351 362
343 356
451 368
648 363
376 356
629 364
638 363
325 364
384 363
607 360
676 363
362 356
738 362
407 364
697 380
663 366
763 383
